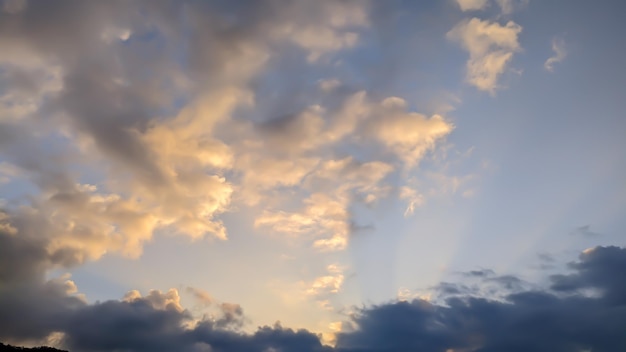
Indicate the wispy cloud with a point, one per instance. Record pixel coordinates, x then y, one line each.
585 231
560 53
491 47
506 7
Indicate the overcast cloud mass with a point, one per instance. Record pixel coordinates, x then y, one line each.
313 176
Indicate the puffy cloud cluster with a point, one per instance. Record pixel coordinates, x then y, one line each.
121 119
35 308
333 184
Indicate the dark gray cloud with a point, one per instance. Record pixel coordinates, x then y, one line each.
482 273
599 269
509 282
585 231
526 320
32 307
138 326
582 310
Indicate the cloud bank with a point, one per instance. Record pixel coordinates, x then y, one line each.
582 309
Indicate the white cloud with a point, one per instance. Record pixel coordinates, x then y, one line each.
201 296
471 5
325 285
323 215
491 47
329 186
560 53
407 295
407 134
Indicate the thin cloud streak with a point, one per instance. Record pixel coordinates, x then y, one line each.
560 53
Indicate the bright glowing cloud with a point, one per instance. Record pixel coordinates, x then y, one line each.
491 47
470 5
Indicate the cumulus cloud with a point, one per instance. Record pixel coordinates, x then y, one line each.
119 147
491 47
410 135
560 53
333 185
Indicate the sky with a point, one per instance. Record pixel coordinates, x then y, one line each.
283 175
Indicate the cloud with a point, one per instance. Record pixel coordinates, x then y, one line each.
30 303
483 273
491 47
155 168
34 308
581 309
409 135
333 185
200 295
169 300
413 199
585 231
507 7
117 147
322 215
322 37
125 119
327 284
560 53
471 5
537 320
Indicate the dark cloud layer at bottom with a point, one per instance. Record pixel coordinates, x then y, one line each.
559 318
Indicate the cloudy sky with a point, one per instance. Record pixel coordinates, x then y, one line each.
278 175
